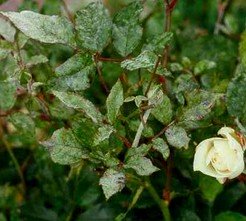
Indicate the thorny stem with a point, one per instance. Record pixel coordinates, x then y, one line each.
162 205
169 6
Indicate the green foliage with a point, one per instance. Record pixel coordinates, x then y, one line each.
103 99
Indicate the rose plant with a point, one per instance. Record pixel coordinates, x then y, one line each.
105 106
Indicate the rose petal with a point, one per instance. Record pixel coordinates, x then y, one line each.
201 155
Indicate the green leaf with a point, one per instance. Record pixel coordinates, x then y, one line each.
177 136
7 30
142 165
127 32
209 187
146 59
112 182
161 146
236 102
102 134
230 216
7 94
44 28
157 43
93 25
114 101
64 147
163 112
77 102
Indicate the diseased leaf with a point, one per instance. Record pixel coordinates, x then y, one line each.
77 102
76 82
158 43
114 101
200 104
177 136
44 28
7 30
7 94
93 25
146 59
112 182
138 151
84 129
161 146
127 32
37 59
64 148
22 122
103 133
163 112
74 65
142 165
236 100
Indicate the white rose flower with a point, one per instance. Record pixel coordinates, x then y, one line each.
221 158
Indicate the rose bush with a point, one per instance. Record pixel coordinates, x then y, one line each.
221 158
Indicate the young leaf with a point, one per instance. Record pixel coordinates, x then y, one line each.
93 25
44 28
77 102
127 32
146 59
161 146
142 165
7 94
112 182
64 148
163 112
114 101
177 136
